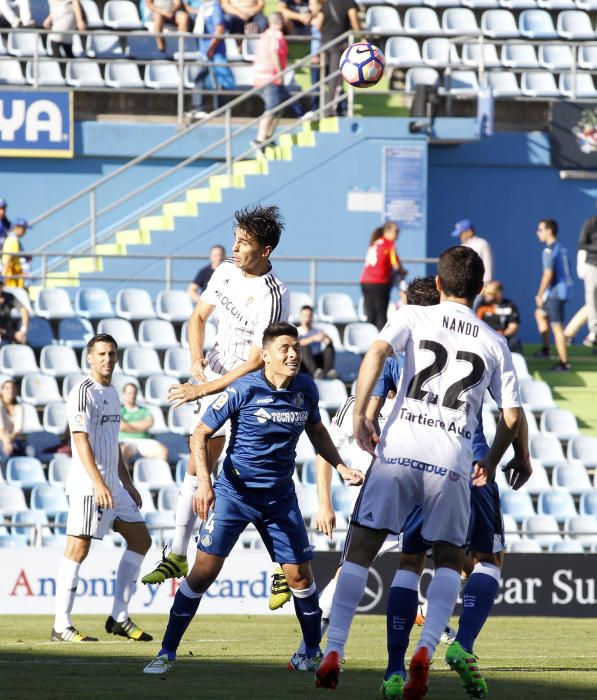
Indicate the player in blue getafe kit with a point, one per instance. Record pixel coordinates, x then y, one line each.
268 410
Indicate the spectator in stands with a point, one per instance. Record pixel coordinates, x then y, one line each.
244 16
199 284
165 12
12 441
317 348
8 334
212 71
271 56
587 271
465 231
15 268
65 16
552 293
9 18
381 264
500 314
5 224
135 422
337 17
297 16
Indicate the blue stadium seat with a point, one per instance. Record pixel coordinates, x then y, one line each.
173 305
141 362
31 524
180 419
536 24
58 470
8 541
75 332
560 504
588 504
120 329
158 334
538 481
304 450
332 332
84 75
587 57
17 360
576 85
153 473
134 304
50 499
210 335
93 303
517 504
58 360
461 83
38 389
471 58
40 333
55 418
54 302
25 472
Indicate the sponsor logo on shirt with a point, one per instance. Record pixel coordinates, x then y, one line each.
264 416
111 418
269 399
416 464
230 306
220 402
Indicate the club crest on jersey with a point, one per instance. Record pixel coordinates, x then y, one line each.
220 402
298 400
250 300
206 540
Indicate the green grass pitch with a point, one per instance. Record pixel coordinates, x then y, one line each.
245 657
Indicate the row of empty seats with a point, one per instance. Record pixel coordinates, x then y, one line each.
516 5
120 15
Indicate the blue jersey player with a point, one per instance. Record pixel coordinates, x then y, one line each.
268 410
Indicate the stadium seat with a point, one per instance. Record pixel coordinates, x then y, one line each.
84 75
57 542
120 329
429 3
40 333
577 85
342 500
297 301
180 419
121 379
55 418
575 25
439 53
499 24
587 57
519 56
11 73
559 422
332 393
75 332
161 76
421 21
30 523
566 547
336 307
159 424
560 504
511 533
17 360
520 365
156 389
58 470
382 21
459 21
93 19
552 5
359 336
555 57
471 56
574 479
11 541
123 75
177 362
147 504
588 504
122 14
531 420
332 332
181 469
583 448
587 5
420 76
542 528
536 24
104 46
153 473
25 44
308 501
93 303
546 448
525 547
190 49
304 450
158 334
210 335
403 51
141 362
538 481
517 504
142 47
503 84
461 83
582 528
536 393
48 74
53 303
161 526
60 520
247 49
167 498
58 361
38 389
31 423
50 499
69 382
173 305
12 500
25 472
134 304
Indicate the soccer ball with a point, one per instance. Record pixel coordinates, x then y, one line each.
362 65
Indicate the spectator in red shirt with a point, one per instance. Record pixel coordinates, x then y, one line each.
381 263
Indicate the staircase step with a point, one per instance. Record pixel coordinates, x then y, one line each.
222 182
77 266
185 208
203 195
156 223
132 237
110 249
248 167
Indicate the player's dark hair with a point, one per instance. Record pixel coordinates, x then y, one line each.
461 271
275 330
307 307
422 292
376 234
551 224
100 338
264 224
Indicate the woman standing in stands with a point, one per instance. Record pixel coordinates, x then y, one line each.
381 263
65 16
11 422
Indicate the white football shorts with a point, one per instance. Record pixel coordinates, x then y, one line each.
201 405
85 518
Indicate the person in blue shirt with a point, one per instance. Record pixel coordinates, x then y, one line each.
268 410
552 294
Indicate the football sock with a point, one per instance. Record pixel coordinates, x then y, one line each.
349 591
126 579
477 600
185 517
325 603
442 595
308 612
183 609
403 601
66 589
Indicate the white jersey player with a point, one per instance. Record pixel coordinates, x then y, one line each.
246 296
101 496
424 453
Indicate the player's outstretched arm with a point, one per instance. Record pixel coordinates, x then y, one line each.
201 313
325 519
518 470
101 492
204 497
364 430
507 430
324 446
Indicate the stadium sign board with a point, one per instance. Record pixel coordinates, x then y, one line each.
36 124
